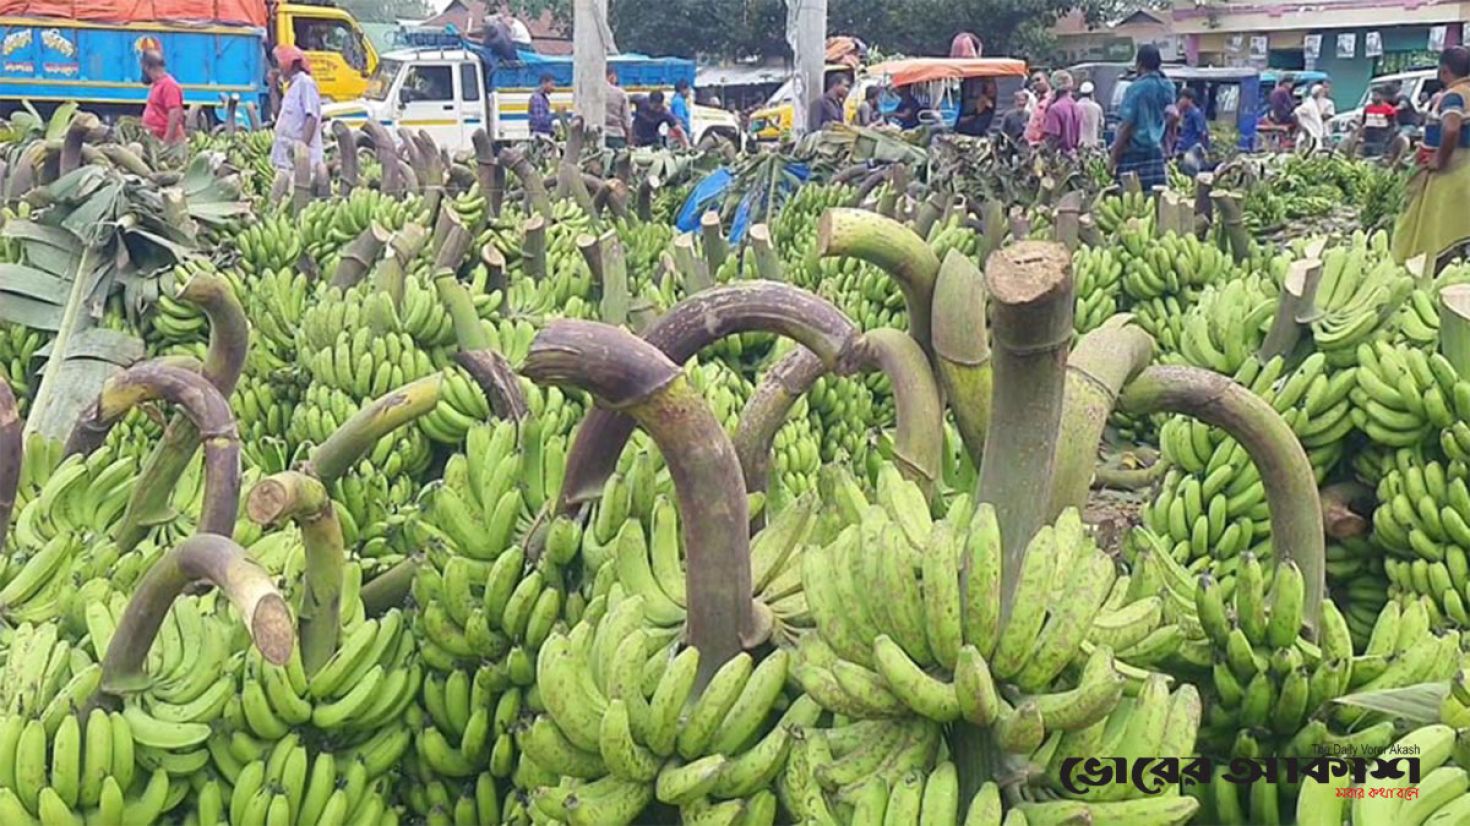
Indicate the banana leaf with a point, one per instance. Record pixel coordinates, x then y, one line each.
1415 704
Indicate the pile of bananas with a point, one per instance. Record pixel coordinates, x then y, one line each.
1211 504
1358 297
1112 212
272 243
1097 279
1421 522
327 226
19 345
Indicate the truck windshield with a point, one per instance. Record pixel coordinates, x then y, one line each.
382 82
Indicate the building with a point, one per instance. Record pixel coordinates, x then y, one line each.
548 36
1351 40
1117 41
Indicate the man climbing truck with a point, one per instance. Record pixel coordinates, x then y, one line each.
53 51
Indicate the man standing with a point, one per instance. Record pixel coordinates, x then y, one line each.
1035 128
1138 147
301 110
1062 129
616 125
1092 116
1322 93
679 106
164 113
1013 123
1282 103
828 108
1194 132
540 108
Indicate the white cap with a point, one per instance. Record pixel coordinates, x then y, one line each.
1086 88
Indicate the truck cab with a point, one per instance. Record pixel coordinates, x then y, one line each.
343 60
444 92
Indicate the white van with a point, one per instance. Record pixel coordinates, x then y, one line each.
442 91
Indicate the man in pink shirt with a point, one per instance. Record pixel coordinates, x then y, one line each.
164 113
1062 127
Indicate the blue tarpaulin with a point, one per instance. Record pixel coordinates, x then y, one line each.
709 192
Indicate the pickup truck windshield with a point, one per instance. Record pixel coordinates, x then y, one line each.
382 82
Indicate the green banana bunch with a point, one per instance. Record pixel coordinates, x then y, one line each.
1358 297
324 409
1419 520
1226 326
1171 265
1403 395
172 321
271 243
19 345
285 782
952 233
80 767
1355 567
326 226
1097 281
1113 211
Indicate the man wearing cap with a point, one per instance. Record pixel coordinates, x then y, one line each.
164 113
300 118
1092 116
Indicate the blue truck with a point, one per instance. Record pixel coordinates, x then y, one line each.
49 61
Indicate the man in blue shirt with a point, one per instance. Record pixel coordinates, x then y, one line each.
1194 133
1139 145
679 106
540 109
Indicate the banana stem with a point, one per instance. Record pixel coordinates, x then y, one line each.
645 200
489 172
359 256
569 179
712 239
1291 488
11 454
767 260
304 500
930 210
629 374
533 248
1204 204
993 219
76 134
495 281
918 439
520 166
962 348
612 195
693 269
358 434
389 589
1068 222
1030 287
1294 309
498 380
1343 506
469 333
606 259
393 182
204 406
1454 327
300 177
403 248
346 156
766 412
1100 365
690 326
1227 204
229 341
202 557
892 246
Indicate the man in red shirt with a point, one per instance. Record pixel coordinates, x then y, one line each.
164 114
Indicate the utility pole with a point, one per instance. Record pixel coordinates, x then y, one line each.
806 32
591 42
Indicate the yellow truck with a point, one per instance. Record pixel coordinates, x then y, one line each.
343 60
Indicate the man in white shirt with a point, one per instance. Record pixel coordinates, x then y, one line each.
1092 116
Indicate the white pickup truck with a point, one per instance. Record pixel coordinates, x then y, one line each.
443 92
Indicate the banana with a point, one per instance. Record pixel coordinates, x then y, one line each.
624 757
926 695
1028 609
713 704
